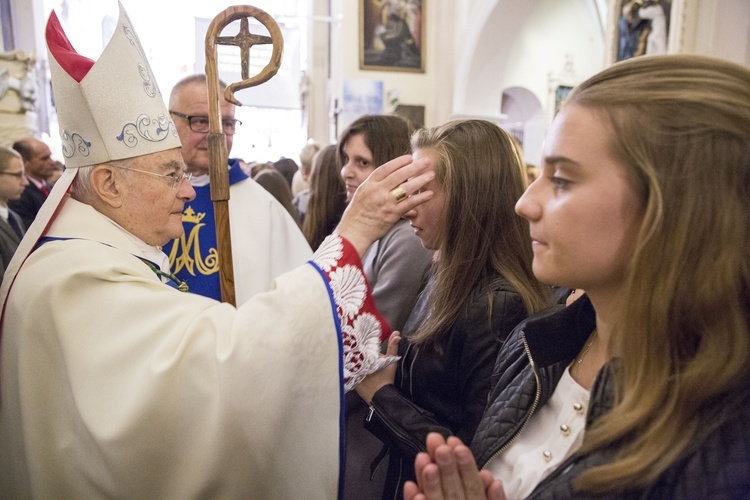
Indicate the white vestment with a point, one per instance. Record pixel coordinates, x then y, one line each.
253 212
115 385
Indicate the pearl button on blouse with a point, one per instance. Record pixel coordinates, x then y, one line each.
553 434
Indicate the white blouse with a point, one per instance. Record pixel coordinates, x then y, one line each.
553 434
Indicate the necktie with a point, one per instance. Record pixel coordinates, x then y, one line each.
44 189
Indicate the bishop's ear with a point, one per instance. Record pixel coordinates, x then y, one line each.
107 184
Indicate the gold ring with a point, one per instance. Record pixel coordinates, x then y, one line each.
399 194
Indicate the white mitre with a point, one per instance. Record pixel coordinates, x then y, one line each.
113 109
110 109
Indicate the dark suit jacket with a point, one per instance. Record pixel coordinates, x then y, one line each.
28 204
8 243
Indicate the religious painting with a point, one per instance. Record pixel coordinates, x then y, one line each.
642 28
391 35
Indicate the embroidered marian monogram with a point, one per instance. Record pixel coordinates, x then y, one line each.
186 252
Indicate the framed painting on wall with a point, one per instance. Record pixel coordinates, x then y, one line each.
641 27
391 35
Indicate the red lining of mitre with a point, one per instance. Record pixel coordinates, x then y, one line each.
74 64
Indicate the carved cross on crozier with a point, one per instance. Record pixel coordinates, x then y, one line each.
244 40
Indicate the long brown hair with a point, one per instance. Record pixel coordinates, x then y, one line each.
327 197
483 176
681 125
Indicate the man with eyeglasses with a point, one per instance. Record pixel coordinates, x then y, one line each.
116 384
39 165
266 241
12 184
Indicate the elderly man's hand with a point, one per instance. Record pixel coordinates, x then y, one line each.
448 471
387 194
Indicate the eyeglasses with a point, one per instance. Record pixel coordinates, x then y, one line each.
199 124
173 178
13 174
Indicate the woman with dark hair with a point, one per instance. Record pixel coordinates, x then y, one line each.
327 197
640 388
480 288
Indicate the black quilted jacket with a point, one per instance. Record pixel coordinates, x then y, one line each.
446 391
716 466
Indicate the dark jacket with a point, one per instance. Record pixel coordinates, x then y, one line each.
28 205
444 390
9 241
716 466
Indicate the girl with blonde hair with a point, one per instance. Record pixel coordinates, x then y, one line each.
640 389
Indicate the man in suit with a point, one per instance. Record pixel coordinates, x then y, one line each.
12 184
39 165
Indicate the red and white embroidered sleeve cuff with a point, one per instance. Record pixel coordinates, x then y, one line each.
362 326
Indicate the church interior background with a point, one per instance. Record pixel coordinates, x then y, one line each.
508 61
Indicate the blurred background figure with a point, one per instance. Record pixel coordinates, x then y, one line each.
256 168
39 165
301 180
55 174
327 199
273 182
12 184
287 167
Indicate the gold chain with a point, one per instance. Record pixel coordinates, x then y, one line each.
586 349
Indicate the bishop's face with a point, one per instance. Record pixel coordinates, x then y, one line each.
151 207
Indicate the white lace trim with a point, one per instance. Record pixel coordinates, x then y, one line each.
360 329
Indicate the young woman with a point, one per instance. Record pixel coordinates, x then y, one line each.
480 288
327 197
396 266
641 388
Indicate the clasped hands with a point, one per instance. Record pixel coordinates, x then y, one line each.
448 471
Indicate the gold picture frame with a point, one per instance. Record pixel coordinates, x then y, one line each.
391 35
632 34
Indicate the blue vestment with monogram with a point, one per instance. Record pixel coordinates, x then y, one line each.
193 257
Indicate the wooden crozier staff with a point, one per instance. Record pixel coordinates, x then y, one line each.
217 146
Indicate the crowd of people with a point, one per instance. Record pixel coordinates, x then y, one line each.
420 313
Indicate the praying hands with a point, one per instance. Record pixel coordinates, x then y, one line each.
448 470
